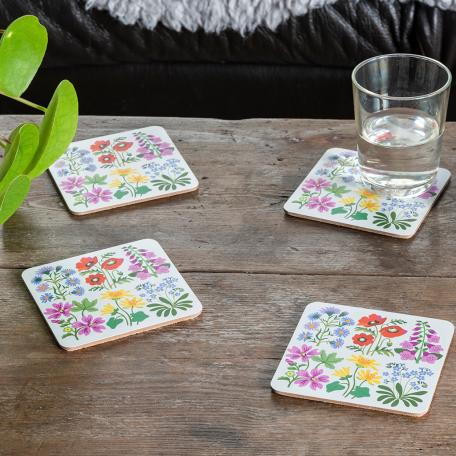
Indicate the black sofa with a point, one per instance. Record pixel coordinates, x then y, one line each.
300 70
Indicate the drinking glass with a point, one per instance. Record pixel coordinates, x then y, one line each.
400 103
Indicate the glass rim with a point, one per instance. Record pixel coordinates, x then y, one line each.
389 97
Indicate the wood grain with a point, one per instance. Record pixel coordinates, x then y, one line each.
202 387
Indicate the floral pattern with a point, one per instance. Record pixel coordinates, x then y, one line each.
110 292
333 191
100 173
369 358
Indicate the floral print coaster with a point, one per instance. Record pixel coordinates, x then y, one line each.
111 293
365 358
121 169
334 193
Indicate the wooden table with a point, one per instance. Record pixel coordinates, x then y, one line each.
202 387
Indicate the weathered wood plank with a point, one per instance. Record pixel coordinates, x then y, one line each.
203 387
247 170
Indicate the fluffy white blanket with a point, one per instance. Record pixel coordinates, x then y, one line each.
217 15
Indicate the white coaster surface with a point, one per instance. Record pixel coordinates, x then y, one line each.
333 193
110 293
364 358
121 169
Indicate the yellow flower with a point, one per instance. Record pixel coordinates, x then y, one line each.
116 183
116 294
107 309
348 200
123 171
365 193
67 329
289 374
370 205
342 372
371 377
133 303
362 361
138 179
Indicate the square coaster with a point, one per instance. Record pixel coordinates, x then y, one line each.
364 358
334 193
121 169
112 293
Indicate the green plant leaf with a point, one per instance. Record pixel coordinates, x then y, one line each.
85 304
359 216
142 190
119 194
22 48
334 386
360 391
13 197
338 210
338 191
138 317
114 322
57 129
96 179
19 153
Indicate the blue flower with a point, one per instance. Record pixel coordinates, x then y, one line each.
72 281
348 179
36 280
86 159
82 152
312 325
331 310
91 168
78 291
45 270
305 336
337 343
333 157
68 272
322 172
341 332
347 321
314 316
46 297
62 172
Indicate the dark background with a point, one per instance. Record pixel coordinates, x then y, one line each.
300 70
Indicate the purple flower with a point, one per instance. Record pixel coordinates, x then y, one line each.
143 275
72 182
323 204
135 267
433 338
302 354
434 348
315 377
97 195
58 310
429 358
318 184
88 324
407 345
430 192
407 355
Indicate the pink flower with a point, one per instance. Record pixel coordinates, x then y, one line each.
430 192
323 204
303 354
89 323
98 194
433 338
72 182
315 378
143 275
318 184
434 348
407 355
407 345
429 358
58 310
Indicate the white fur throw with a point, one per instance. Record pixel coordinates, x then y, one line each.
217 15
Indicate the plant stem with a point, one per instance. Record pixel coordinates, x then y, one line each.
26 102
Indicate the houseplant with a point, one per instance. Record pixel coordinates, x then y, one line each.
30 148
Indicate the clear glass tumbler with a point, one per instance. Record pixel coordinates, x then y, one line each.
400 103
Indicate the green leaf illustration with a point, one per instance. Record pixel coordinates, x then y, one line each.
84 305
328 360
22 48
338 191
138 317
359 216
339 210
334 386
96 179
119 194
113 322
360 391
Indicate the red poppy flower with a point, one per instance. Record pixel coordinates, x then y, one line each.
86 263
121 146
112 263
95 279
392 331
371 320
106 158
98 146
363 339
